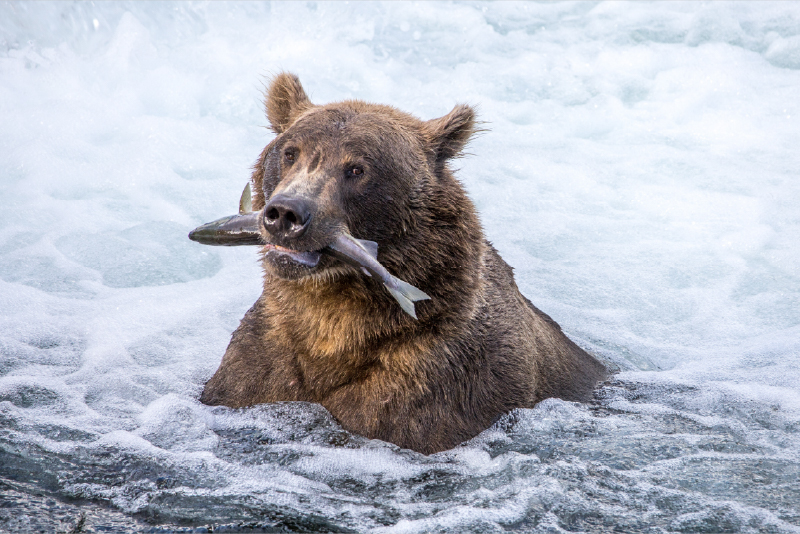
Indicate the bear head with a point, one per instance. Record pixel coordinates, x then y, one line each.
376 173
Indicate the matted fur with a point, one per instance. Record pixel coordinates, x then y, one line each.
336 337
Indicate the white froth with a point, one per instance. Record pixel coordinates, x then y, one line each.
639 172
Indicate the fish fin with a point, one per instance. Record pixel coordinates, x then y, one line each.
363 270
411 293
406 295
369 246
246 200
406 304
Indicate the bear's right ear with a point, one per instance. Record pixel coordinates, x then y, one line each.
285 100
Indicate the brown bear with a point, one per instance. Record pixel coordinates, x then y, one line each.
326 331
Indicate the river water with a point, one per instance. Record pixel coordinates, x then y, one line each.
639 171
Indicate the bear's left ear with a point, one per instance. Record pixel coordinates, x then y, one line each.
449 134
285 101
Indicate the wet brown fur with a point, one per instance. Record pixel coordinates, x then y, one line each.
336 337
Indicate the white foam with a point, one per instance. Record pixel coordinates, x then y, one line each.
639 173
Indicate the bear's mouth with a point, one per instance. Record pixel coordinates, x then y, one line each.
308 258
245 229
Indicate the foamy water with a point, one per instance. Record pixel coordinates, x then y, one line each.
639 172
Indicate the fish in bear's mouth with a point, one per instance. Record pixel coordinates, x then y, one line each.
245 229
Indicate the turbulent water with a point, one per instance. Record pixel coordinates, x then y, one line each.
639 170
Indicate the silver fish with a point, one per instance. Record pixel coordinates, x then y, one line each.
364 254
245 229
234 230
230 231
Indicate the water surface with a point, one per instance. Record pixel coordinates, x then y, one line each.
639 171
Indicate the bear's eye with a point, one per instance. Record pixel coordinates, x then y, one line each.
355 171
289 155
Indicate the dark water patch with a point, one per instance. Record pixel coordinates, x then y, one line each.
62 433
27 509
50 349
178 510
25 464
27 396
280 425
438 485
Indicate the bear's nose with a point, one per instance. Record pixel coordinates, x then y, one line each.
287 217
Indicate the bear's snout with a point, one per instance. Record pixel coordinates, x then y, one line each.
287 218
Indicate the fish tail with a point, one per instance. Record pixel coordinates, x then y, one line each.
406 295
